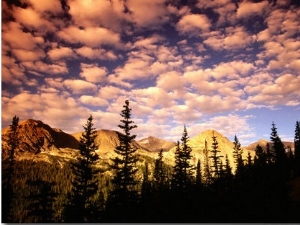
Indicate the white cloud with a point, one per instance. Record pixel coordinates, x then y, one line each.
92 100
247 9
194 24
60 53
90 36
93 73
92 53
80 86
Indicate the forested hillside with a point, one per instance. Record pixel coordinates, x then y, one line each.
128 183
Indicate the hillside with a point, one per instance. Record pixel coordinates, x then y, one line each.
154 144
197 144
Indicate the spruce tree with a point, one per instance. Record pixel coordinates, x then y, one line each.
206 172
260 156
198 174
79 206
8 171
182 170
278 147
237 155
159 174
41 200
216 158
297 148
124 193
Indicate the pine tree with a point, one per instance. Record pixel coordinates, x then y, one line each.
278 147
146 185
79 207
41 199
8 171
228 170
124 193
159 174
297 148
206 173
237 155
198 174
260 156
216 158
182 170
269 154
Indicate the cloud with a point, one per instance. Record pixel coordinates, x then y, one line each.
32 20
283 91
24 55
93 73
148 13
60 53
92 100
193 24
247 9
17 39
12 72
236 38
90 36
110 92
39 66
108 14
54 109
92 53
80 86
224 8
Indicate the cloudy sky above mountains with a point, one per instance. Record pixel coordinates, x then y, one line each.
233 66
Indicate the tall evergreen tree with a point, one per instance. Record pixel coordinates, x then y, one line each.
41 199
159 174
183 170
8 171
237 155
206 172
228 169
198 174
146 184
297 148
216 158
79 207
269 154
124 193
278 147
260 156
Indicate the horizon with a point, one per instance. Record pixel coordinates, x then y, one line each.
229 66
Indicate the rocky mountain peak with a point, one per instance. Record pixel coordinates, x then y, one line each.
35 136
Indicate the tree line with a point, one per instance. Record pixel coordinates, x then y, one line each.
254 189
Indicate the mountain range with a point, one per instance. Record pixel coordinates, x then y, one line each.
39 141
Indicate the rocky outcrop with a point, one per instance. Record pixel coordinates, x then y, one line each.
35 137
154 144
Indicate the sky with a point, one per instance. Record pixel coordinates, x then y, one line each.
232 66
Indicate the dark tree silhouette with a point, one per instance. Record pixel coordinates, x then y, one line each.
206 172
41 199
278 147
297 148
124 193
260 156
159 173
79 207
216 158
8 171
198 174
237 155
182 170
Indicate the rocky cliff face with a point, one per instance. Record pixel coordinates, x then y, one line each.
154 144
35 137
